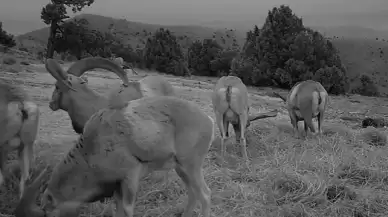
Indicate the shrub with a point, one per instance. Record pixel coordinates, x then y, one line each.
332 78
284 52
366 87
373 122
163 53
202 56
5 38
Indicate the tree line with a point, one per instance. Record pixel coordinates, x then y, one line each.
280 53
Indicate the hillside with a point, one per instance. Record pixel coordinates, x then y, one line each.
135 33
358 47
365 56
350 31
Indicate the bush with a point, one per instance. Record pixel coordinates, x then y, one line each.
5 38
373 122
163 53
366 87
202 54
284 52
332 79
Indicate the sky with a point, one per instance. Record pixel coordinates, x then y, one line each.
24 15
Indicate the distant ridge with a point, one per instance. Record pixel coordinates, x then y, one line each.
135 33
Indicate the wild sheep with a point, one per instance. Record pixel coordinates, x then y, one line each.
305 101
73 95
19 118
231 105
122 144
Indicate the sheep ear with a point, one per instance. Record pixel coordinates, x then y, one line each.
69 80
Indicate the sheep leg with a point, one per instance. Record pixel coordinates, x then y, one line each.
306 128
119 204
320 121
1 173
24 163
201 190
3 158
294 123
192 201
129 188
243 143
223 127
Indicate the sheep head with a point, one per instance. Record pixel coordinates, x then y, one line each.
72 81
28 208
68 187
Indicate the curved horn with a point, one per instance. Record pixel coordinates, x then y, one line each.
81 66
57 72
27 206
263 115
133 70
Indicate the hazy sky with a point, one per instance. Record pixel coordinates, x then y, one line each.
17 12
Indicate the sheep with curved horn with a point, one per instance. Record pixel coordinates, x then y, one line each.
231 105
305 101
73 95
19 119
122 144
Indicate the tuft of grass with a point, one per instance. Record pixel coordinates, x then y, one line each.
9 60
374 137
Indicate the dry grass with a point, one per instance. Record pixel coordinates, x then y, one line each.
340 176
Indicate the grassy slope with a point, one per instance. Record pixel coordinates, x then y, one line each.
288 176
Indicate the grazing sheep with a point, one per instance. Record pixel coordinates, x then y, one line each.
305 101
19 118
120 145
230 105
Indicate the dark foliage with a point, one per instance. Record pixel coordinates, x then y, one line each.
54 14
163 53
373 122
6 39
366 87
208 58
284 52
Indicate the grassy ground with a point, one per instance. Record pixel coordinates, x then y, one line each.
341 176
